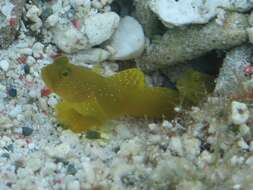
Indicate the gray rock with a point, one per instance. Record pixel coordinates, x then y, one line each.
91 56
251 19
10 14
178 13
100 27
27 131
149 21
69 39
181 44
231 74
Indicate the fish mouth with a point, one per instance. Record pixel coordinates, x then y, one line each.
45 74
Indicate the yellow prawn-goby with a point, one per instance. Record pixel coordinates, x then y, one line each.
89 99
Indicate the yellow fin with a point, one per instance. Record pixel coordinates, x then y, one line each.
63 59
97 69
129 78
77 122
193 86
89 108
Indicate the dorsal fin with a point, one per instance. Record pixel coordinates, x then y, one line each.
129 78
62 59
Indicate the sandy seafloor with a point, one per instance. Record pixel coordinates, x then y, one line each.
197 150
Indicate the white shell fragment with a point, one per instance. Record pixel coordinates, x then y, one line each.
6 8
94 55
69 39
95 30
52 20
240 113
100 27
61 150
4 65
128 41
33 14
182 12
37 49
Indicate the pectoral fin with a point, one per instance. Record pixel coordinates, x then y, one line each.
80 117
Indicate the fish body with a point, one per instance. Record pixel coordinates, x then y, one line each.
89 99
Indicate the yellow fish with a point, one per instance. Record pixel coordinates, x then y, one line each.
89 99
193 86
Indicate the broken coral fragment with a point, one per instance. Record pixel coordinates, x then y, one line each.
182 44
240 113
179 13
128 40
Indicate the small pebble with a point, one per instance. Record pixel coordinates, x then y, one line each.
92 135
76 24
52 20
249 161
4 65
167 124
243 145
46 13
30 60
61 160
26 69
12 21
19 164
26 51
37 49
58 151
71 170
45 91
9 148
33 13
27 131
152 126
237 160
12 92
73 185
33 93
240 113
244 129
52 101
176 145
22 59
5 155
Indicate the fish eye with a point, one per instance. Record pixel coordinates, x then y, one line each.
65 72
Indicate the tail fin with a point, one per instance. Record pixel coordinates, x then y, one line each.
154 103
193 86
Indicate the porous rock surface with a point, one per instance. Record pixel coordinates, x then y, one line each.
182 12
232 74
181 44
10 15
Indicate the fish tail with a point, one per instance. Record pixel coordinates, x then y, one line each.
155 103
